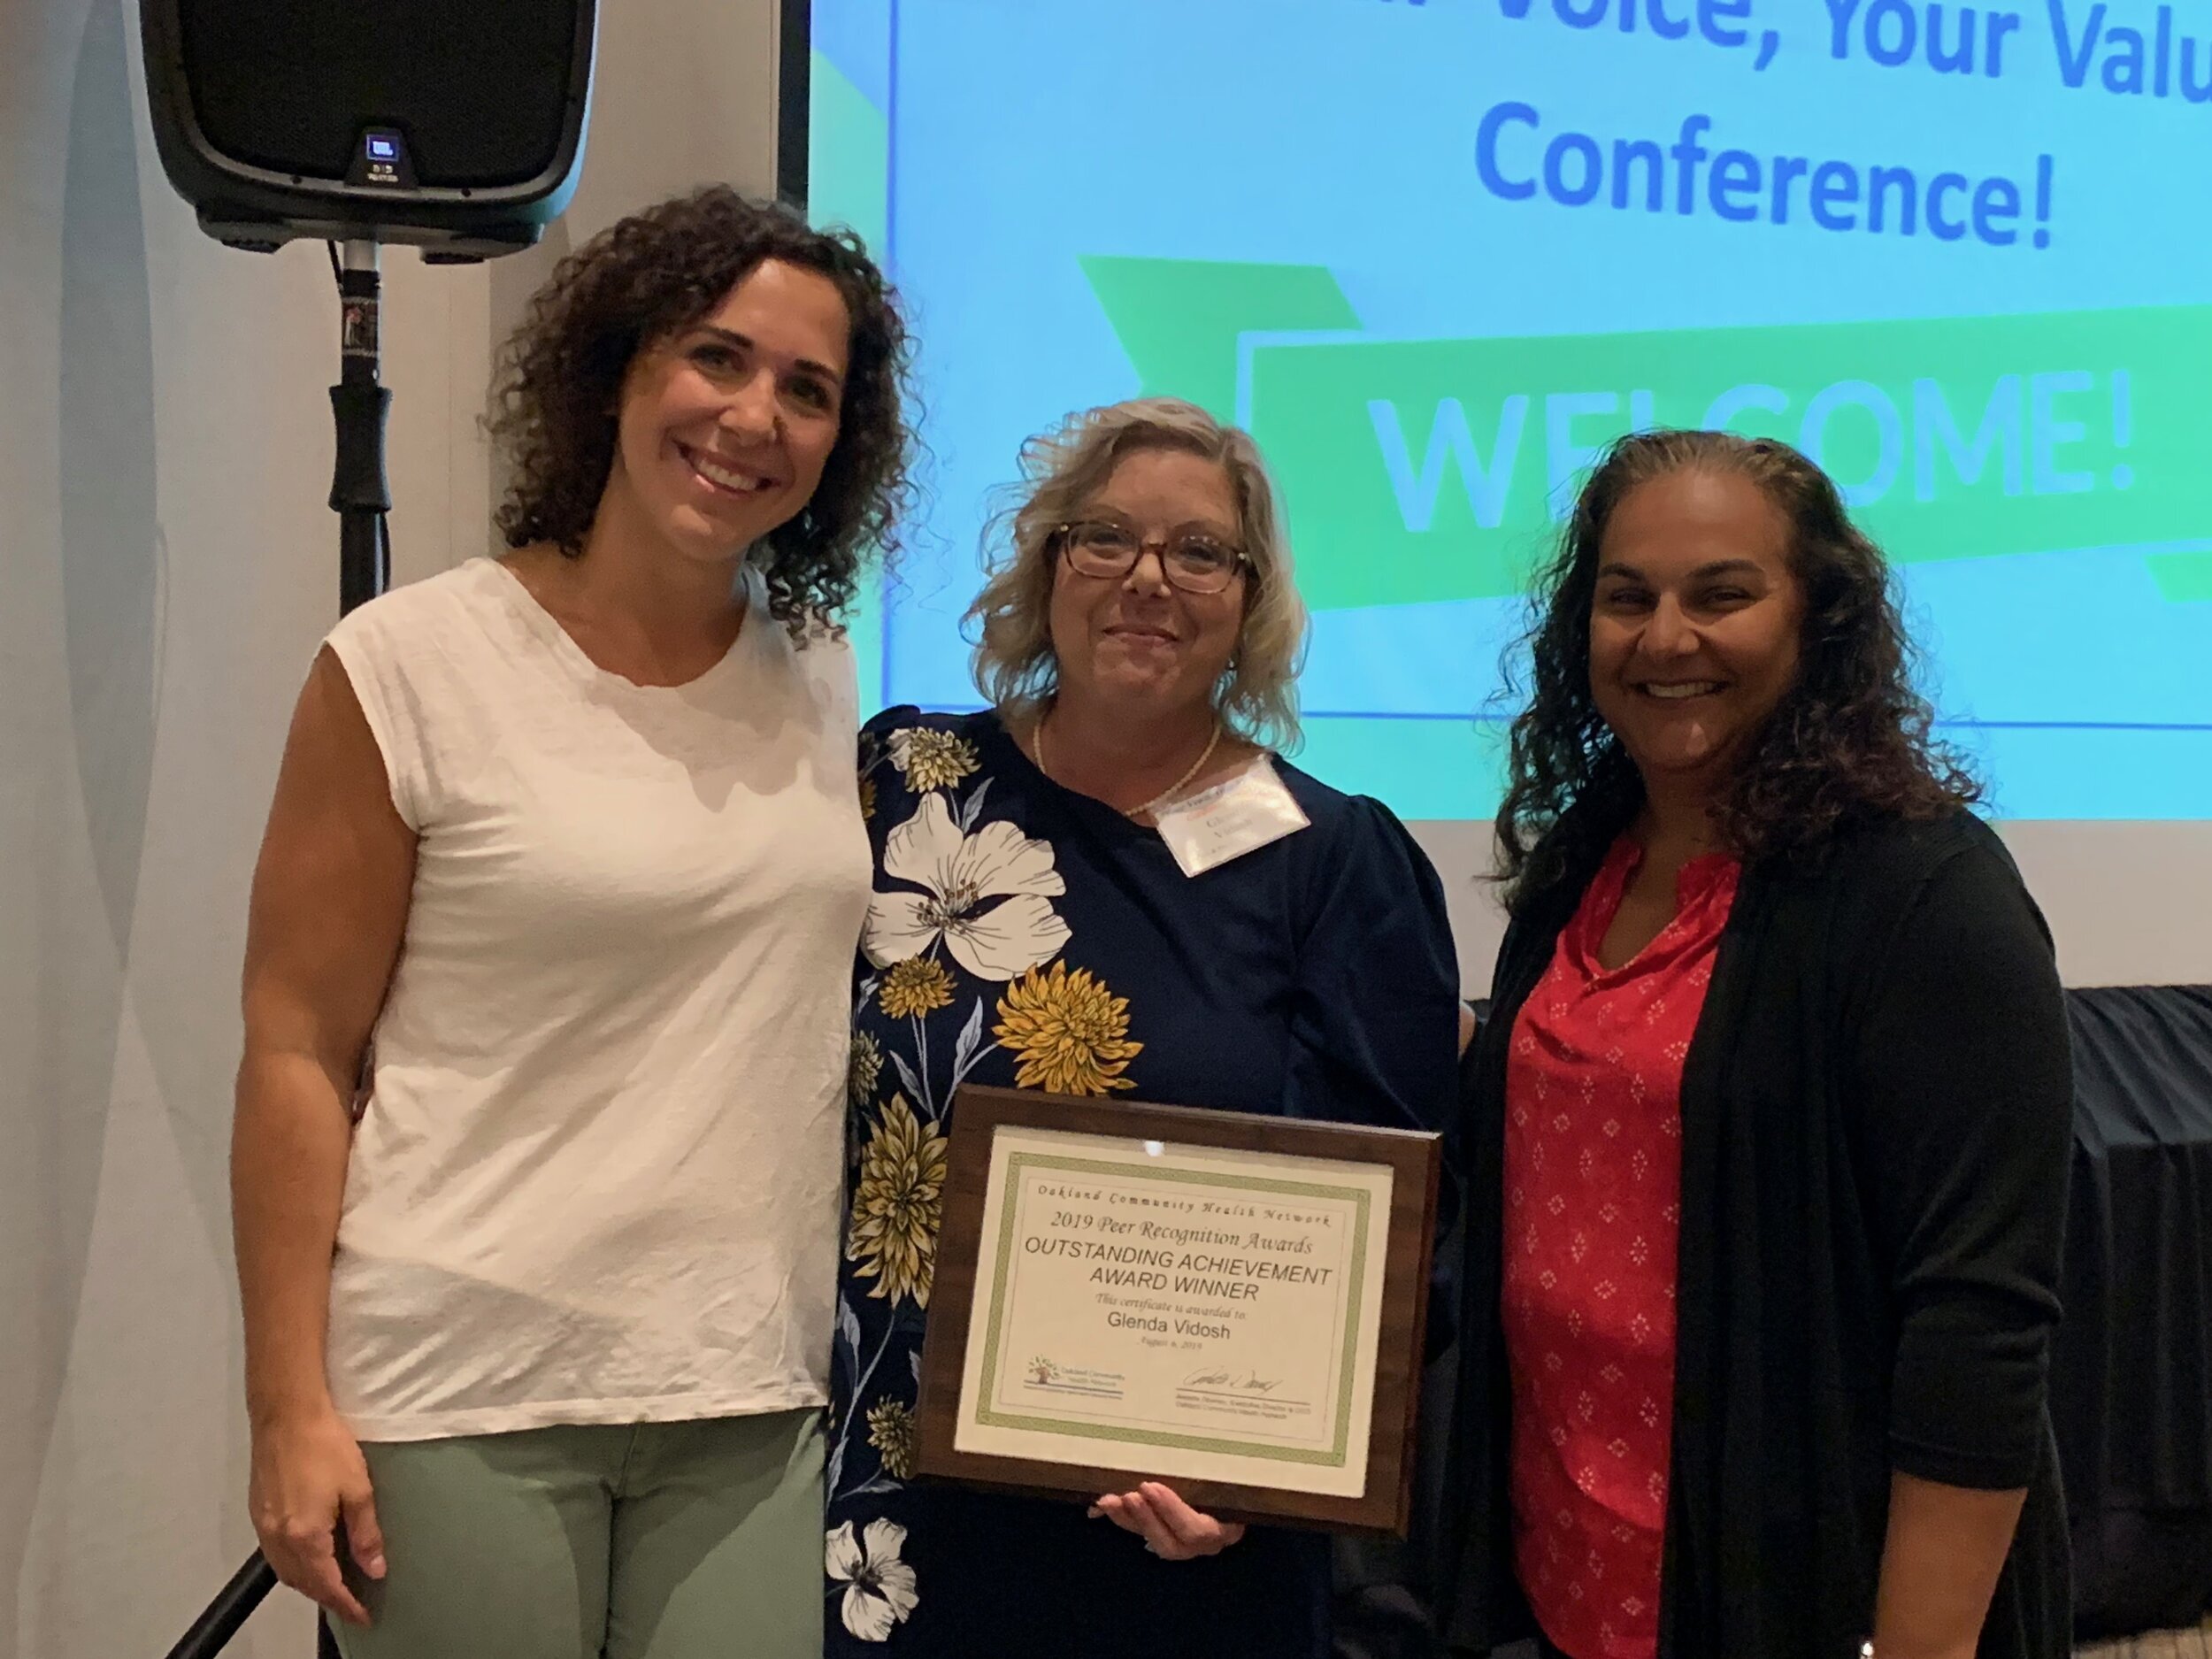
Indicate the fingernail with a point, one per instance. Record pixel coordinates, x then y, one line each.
375 1568
1094 1513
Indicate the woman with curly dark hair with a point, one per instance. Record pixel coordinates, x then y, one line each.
537 1151
1774 1100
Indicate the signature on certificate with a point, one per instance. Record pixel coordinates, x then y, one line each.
1232 1381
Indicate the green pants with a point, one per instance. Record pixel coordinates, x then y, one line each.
656 1541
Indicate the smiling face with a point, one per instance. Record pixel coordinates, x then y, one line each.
1694 623
1137 641
725 427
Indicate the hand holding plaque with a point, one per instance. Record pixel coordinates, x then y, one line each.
1169 1528
1228 1303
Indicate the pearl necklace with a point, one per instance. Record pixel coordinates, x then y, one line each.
1037 749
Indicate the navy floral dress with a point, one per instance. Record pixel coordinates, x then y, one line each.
1024 936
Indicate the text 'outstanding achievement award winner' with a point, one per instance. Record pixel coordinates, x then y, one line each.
1229 1302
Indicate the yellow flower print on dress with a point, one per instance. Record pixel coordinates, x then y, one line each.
896 1205
914 988
863 1068
891 1431
1069 1030
931 760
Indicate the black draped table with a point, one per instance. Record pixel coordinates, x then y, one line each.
2131 1368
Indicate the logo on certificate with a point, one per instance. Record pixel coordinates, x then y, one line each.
1049 1376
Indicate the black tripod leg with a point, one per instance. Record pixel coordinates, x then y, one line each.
245 1592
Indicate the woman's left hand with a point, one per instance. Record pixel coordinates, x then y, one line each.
1169 1528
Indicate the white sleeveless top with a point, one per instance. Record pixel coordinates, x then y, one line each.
596 1176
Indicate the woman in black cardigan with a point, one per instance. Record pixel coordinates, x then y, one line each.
1807 1022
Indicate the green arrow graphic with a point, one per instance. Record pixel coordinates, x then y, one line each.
1179 320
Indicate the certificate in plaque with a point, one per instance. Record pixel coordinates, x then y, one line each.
1231 1303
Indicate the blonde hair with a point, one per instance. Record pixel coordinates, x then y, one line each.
1010 622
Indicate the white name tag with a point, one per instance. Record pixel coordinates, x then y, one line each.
1230 819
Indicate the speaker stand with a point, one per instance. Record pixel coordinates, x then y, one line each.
358 492
361 497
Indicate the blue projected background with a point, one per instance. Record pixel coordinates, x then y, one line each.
1435 252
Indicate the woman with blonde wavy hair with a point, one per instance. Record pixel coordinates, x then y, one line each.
1043 919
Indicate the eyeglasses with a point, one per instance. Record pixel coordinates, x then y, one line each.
1193 561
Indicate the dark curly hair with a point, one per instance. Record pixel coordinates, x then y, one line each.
1849 742
558 378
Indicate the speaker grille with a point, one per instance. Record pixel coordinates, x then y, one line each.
478 87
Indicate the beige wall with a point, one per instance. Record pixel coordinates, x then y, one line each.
166 567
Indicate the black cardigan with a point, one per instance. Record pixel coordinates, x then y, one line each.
1875 1123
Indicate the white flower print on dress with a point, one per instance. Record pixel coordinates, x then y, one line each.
985 896
879 1587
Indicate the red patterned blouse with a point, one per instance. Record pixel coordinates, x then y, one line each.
1593 1209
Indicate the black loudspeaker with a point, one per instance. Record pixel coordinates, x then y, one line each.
457 126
